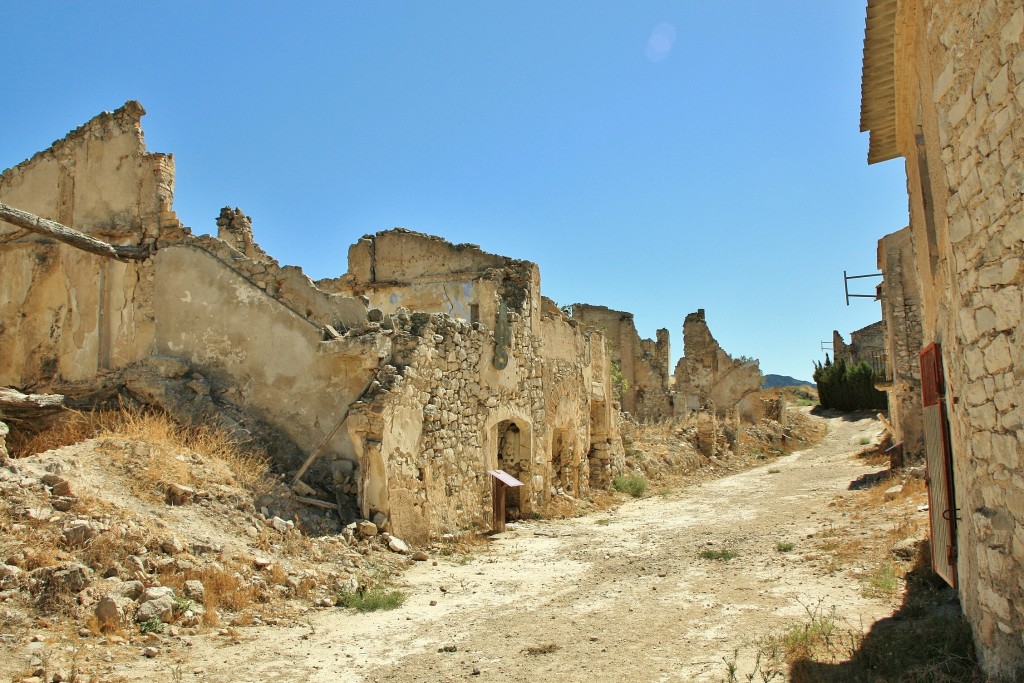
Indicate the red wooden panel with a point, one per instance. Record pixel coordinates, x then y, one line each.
939 459
932 385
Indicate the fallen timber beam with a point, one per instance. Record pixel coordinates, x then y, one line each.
15 405
77 239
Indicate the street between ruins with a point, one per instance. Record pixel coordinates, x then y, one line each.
620 595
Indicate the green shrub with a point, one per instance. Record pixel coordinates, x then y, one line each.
783 547
711 554
847 387
633 484
371 600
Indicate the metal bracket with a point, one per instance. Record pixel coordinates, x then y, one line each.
846 286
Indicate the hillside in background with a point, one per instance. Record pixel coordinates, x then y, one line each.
771 381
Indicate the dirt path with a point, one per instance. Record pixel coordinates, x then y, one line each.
617 596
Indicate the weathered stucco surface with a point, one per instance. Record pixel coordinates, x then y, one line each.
951 105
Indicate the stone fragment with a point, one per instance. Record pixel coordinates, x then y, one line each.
161 609
302 489
172 545
10 575
133 590
179 494
420 556
78 533
195 590
280 525
110 611
905 549
63 503
155 593
892 492
366 529
64 579
62 489
397 545
168 367
380 519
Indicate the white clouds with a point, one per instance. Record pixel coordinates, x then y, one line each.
663 37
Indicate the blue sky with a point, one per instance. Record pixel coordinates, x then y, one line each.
653 157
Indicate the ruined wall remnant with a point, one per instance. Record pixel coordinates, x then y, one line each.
454 369
643 364
943 87
901 312
707 377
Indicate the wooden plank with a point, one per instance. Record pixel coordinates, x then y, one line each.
62 233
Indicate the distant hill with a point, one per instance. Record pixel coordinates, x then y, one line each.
771 381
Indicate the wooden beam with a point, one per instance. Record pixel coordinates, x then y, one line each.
62 233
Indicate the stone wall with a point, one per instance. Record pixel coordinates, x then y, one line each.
643 363
901 312
707 377
454 403
954 112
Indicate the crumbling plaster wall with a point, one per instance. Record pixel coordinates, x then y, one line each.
643 363
707 377
401 268
237 334
901 312
64 313
959 124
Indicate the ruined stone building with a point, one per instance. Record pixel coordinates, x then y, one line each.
866 345
943 87
408 378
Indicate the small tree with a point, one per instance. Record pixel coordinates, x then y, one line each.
848 387
619 383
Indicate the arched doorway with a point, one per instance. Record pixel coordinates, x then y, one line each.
509 459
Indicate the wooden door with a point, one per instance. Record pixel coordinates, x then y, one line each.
939 459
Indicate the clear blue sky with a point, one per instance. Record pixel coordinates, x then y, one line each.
654 157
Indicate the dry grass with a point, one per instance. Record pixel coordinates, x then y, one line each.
66 429
166 450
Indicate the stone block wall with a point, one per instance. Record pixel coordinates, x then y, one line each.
440 415
976 52
956 115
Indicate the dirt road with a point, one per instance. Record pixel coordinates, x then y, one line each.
618 596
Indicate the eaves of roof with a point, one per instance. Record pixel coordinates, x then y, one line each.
878 80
